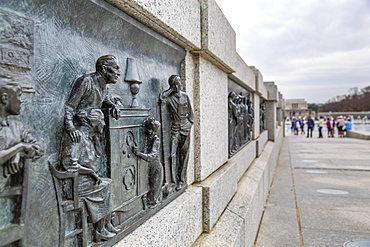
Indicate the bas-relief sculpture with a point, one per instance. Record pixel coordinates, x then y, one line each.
137 187
262 115
181 117
82 194
16 47
241 118
151 155
17 147
80 146
111 161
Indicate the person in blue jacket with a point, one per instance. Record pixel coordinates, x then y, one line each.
310 126
348 126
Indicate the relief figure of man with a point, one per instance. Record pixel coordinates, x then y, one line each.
90 92
233 112
181 115
80 148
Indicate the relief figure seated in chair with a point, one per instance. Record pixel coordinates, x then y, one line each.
81 157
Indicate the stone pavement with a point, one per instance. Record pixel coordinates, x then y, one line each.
320 195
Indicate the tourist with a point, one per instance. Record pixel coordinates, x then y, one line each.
302 127
296 126
333 126
292 125
347 126
310 126
321 124
330 128
340 125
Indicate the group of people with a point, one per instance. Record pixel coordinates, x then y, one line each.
341 124
297 124
241 118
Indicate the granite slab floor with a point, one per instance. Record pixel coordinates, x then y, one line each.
320 195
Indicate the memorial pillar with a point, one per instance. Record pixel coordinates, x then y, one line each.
271 109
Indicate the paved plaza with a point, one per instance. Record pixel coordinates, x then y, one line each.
320 195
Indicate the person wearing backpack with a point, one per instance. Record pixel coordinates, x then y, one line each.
340 125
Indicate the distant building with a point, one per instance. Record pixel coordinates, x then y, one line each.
296 108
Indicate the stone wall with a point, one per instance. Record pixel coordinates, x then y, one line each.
225 200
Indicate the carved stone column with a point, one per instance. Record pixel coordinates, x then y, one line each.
271 107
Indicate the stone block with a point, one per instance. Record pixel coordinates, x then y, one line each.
280 110
218 37
239 223
358 134
178 224
177 20
244 158
210 127
256 106
261 141
187 74
281 102
248 204
260 87
252 192
272 91
229 232
271 119
244 75
218 189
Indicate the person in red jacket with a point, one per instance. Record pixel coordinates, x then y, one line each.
330 128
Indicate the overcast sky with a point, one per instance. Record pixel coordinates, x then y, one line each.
312 49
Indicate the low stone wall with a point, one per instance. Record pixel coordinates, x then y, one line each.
239 222
178 224
358 134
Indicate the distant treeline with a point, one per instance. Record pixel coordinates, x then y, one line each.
356 100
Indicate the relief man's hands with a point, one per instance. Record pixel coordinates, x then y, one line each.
29 150
12 167
115 111
75 135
